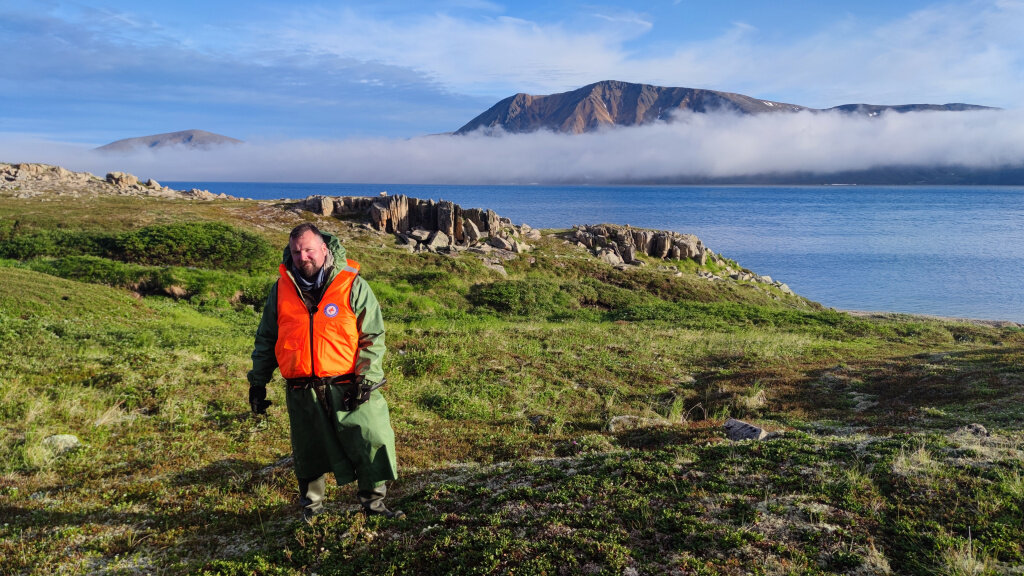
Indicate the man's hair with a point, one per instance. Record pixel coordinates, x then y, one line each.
301 229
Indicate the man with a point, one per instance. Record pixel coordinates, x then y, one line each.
322 327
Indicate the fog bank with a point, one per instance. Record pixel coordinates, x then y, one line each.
694 146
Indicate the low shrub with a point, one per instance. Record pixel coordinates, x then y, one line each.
199 244
174 280
210 245
532 296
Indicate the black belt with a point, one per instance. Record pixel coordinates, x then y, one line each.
357 389
315 382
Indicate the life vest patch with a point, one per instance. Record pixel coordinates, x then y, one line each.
331 310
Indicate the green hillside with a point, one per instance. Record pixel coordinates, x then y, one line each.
563 418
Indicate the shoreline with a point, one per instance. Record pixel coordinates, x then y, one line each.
977 321
27 180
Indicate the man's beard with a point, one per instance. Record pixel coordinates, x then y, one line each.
308 270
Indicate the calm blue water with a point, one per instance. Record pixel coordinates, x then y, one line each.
950 251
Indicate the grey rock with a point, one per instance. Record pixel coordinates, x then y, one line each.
520 247
609 256
492 221
447 220
420 234
471 230
500 243
319 205
437 239
62 443
628 253
975 429
737 430
477 217
497 268
122 179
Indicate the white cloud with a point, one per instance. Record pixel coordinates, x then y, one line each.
628 18
696 145
394 69
501 55
964 51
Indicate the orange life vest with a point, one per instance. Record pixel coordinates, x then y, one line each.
322 343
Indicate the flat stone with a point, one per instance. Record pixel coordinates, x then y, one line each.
497 268
420 234
738 430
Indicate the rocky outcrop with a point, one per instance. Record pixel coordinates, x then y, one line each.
443 226
621 244
32 180
435 226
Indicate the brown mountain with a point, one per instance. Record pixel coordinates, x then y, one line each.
187 138
613 103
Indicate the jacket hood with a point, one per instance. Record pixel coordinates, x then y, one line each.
333 245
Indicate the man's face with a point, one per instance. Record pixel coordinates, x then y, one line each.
308 253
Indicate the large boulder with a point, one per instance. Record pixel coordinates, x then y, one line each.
500 243
420 234
122 179
437 239
609 256
471 231
529 233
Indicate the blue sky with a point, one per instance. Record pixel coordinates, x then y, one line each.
94 71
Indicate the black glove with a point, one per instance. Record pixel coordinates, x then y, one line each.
258 399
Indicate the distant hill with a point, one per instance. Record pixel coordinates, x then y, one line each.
188 138
876 109
614 103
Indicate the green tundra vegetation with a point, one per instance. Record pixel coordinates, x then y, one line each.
563 418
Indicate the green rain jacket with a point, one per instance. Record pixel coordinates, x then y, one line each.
358 445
